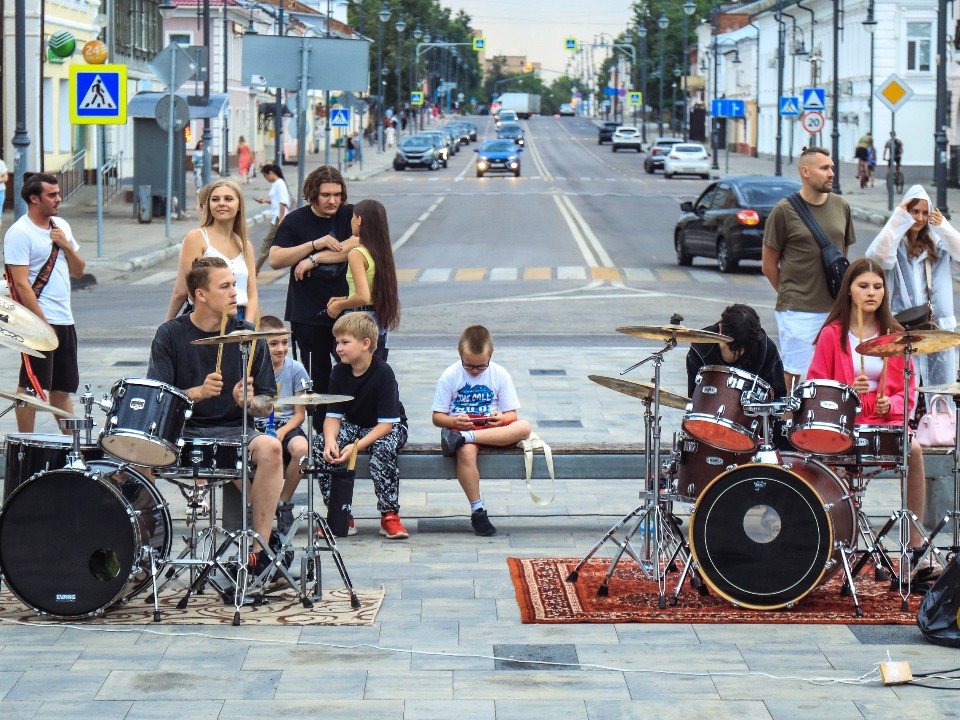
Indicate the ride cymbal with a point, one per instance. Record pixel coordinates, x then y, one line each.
312 399
921 342
239 336
642 390
673 332
19 346
34 402
21 328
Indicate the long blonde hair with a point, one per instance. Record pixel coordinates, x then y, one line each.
239 229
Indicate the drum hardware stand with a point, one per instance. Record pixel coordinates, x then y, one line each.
953 514
75 425
651 514
882 564
316 527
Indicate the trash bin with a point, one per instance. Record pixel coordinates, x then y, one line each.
953 179
144 203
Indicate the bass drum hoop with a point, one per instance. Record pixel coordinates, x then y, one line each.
135 577
794 467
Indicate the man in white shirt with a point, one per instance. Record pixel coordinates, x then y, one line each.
3 188
41 255
280 204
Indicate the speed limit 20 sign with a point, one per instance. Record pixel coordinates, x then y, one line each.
813 122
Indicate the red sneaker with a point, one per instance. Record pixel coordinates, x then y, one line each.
392 528
351 530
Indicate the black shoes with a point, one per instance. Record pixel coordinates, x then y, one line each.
450 442
481 523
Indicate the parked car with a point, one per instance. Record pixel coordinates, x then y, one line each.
567 110
605 132
511 131
441 141
626 137
498 156
687 159
658 151
417 150
726 222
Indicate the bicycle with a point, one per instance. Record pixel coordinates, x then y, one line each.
863 173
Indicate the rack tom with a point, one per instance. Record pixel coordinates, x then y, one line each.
145 422
824 423
716 414
874 445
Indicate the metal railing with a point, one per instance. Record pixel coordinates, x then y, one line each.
71 176
110 177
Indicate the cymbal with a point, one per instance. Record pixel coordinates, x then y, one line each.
312 399
642 391
674 332
18 346
948 389
921 342
34 402
239 336
21 327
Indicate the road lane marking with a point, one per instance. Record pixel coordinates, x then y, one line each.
538 273
578 238
407 274
571 272
469 274
416 225
592 240
504 273
157 278
435 275
535 155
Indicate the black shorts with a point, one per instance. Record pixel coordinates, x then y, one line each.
296 432
58 371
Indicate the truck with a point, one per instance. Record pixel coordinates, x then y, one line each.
523 104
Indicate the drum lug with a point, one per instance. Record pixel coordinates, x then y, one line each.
827 507
153 428
114 420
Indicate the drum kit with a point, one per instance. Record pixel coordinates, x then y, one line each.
767 525
83 527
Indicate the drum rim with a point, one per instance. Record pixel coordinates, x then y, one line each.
813 586
721 422
150 382
740 372
172 448
821 427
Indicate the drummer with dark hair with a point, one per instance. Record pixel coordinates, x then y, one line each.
214 385
750 350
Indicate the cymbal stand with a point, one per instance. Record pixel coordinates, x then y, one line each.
882 564
659 528
317 527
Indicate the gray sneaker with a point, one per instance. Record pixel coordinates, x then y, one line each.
450 442
284 517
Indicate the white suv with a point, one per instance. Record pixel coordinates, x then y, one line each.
626 137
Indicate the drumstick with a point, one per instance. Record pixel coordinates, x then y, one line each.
883 377
223 331
863 366
353 455
253 347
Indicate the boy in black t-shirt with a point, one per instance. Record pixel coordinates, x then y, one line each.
374 419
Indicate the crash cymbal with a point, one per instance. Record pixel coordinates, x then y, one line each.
18 346
21 327
948 389
34 402
239 336
921 342
312 399
641 390
673 332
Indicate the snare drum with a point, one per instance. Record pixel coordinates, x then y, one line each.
717 416
30 453
696 464
207 458
824 424
875 445
145 422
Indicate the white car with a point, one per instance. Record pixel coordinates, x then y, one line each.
626 137
687 159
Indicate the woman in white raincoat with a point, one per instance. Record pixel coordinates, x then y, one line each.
918 243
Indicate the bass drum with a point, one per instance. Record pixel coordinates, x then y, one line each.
764 536
70 541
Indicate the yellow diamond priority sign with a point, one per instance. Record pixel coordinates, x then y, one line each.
894 92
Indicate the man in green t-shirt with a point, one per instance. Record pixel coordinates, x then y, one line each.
792 260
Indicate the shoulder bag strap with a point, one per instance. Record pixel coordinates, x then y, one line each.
43 276
812 225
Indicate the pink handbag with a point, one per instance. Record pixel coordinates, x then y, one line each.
938 427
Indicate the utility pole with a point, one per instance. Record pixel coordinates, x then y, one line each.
207 136
21 141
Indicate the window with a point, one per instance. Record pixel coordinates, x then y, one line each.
918 46
183 39
724 198
703 203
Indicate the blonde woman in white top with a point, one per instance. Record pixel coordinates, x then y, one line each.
222 233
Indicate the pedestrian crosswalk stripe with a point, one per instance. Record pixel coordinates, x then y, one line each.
470 274
605 273
537 273
435 275
571 272
672 275
503 274
157 278
639 274
406 274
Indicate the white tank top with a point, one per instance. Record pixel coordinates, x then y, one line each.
238 265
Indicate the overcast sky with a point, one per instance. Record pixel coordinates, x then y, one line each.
537 28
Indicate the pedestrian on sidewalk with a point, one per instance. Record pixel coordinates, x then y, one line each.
917 249
872 162
41 256
4 174
244 160
223 234
197 160
280 204
791 260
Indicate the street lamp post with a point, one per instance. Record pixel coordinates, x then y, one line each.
689 8
870 25
835 114
662 23
940 135
207 135
642 34
400 26
384 15
677 72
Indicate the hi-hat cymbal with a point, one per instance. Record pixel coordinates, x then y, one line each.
921 342
22 328
643 391
239 336
948 389
312 399
674 332
18 346
34 402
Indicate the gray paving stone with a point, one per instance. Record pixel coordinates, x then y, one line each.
461 610
656 687
92 710
110 657
167 709
754 687
70 685
312 707
331 684
187 685
569 685
426 633
272 657
679 708
918 705
802 710
54 657
420 685
553 709
8 679
802 660
446 709
18 709
27 634
204 655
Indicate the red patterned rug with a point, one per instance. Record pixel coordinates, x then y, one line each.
546 597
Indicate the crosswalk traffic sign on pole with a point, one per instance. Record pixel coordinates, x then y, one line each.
789 105
814 99
570 44
634 98
98 94
339 117
416 98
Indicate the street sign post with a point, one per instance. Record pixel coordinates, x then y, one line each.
813 122
339 117
635 98
98 94
723 108
416 98
789 105
479 44
814 99
570 44
894 93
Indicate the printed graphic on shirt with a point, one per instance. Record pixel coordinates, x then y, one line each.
472 400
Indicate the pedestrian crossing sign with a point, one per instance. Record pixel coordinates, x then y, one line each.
339 117
479 44
570 44
416 98
789 106
98 94
634 98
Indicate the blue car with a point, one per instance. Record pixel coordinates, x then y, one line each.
498 156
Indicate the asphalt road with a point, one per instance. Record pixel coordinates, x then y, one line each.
578 245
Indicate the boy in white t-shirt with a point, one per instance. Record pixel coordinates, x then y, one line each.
476 404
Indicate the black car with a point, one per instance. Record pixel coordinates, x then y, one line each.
658 150
605 132
727 220
417 150
511 131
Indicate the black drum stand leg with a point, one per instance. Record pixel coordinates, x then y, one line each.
849 585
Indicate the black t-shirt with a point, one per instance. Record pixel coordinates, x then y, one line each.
763 361
307 298
175 361
376 396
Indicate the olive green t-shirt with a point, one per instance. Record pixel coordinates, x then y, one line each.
803 283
